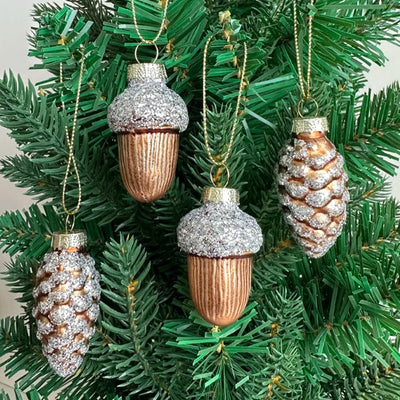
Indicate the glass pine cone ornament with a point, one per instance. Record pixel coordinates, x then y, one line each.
67 294
312 187
220 240
147 118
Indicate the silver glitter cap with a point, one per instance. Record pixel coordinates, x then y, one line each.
219 228
315 124
224 195
147 102
147 71
64 241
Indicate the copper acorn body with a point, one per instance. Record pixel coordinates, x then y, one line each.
147 118
220 287
147 160
312 187
220 240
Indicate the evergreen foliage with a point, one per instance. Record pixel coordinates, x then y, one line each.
313 329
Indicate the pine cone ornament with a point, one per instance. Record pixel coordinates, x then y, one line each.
67 293
220 240
312 187
148 117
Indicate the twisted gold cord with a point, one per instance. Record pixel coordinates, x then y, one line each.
71 158
142 39
213 160
306 93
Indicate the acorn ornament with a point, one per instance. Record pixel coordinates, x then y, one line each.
312 187
220 240
147 117
67 294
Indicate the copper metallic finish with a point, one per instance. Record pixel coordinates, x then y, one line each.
147 160
220 287
312 238
60 329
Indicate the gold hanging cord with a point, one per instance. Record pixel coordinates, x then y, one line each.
147 41
214 160
71 164
305 91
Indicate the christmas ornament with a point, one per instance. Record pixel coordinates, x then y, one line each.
67 293
147 117
311 178
67 288
312 187
219 238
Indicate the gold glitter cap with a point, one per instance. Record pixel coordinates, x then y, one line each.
64 241
315 124
150 71
220 195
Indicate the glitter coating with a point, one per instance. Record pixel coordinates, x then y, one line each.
312 191
67 295
219 229
147 102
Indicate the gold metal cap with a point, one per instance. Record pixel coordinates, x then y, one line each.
219 195
64 241
314 124
147 71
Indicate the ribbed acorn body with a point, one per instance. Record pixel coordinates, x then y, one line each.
148 160
67 293
220 287
220 240
147 118
312 187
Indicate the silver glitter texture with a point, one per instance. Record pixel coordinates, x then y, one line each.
67 295
147 102
219 229
312 189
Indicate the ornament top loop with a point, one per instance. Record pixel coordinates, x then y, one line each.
67 222
220 195
302 102
219 172
71 240
147 42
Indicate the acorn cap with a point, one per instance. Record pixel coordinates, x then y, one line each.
315 124
64 241
219 228
147 103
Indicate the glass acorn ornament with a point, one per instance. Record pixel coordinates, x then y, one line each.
219 239
311 177
67 288
67 295
147 118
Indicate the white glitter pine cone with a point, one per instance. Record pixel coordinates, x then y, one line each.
148 117
220 240
312 187
67 293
